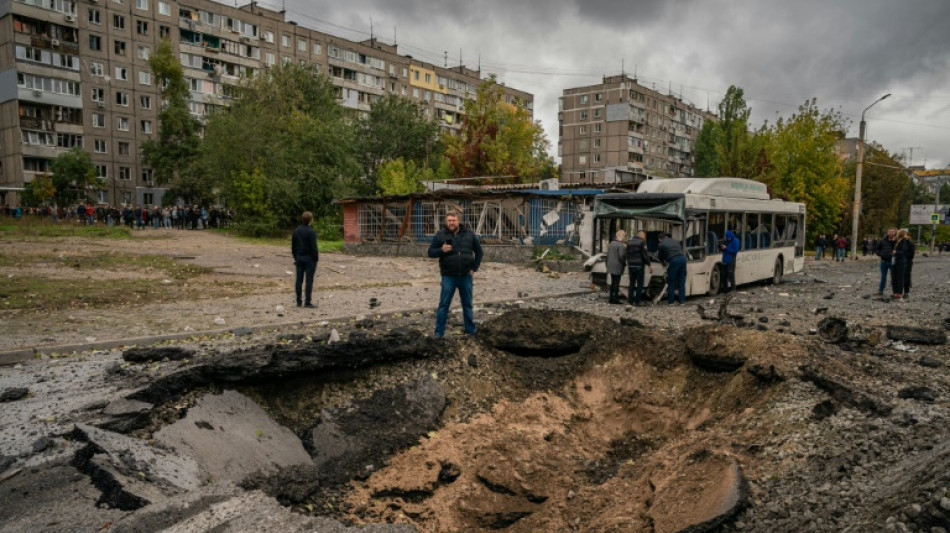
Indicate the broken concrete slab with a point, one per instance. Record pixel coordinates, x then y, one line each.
255 442
227 509
837 330
846 393
916 335
125 415
920 393
129 472
353 440
142 354
12 394
703 492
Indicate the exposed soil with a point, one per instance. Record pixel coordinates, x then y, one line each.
809 406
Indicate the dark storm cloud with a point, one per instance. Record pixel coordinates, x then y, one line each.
845 53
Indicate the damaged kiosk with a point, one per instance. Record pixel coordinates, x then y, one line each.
697 212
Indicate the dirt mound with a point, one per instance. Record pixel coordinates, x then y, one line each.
532 332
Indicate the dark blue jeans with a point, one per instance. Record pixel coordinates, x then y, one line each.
885 268
635 289
449 285
676 278
305 268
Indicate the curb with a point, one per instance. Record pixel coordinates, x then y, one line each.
12 357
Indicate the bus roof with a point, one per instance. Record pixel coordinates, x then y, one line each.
722 187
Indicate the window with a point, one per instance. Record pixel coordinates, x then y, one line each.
301 45
124 148
146 126
98 95
584 100
95 69
100 146
141 4
597 128
598 97
164 32
405 72
122 99
596 158
143 52
145 78
94 16
102 172
269 36
596 143
164 9
317 49
98 120
121 73
125 173
598 112
95 42
583 115
141 27
582 160
428 78
415 75
269 58
118 22
582 130
122 123
285 40
147 176
145 102
120 48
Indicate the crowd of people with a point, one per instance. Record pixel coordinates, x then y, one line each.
133 216
896 251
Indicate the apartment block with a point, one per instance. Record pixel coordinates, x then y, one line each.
619 131
75 73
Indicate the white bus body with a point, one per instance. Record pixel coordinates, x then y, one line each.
697 212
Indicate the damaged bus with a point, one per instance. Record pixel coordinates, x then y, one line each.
697 212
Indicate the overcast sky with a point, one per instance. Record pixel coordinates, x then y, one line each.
780 52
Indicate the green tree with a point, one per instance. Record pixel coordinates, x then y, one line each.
708 144
172 155
39 191
398 176
735 154
73 173
802 165
395 128
498 139
288 126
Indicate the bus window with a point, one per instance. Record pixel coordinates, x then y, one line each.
695 238
765 230
781 222
792 228
752 231
734 223
715 231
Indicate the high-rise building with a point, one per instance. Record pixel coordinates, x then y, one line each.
75 73
619 131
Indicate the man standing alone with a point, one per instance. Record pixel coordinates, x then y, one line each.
730 247
616 251
303 246
460 255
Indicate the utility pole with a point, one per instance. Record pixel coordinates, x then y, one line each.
856 211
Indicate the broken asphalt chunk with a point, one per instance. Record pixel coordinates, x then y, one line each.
916 335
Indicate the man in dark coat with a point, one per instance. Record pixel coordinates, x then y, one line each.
303 246
638 258
670 253
460 255
885 250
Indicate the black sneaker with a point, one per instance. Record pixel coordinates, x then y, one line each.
310 306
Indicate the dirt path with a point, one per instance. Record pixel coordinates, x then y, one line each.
247 285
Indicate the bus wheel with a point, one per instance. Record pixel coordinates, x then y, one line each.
777 274
715 280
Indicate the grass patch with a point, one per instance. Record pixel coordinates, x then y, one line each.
40 228
282 241
36 293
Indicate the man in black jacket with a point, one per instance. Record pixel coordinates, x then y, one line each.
460 255
303 246
637 259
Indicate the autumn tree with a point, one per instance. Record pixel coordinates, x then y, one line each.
39 191
498 139
398 176
395 129
173 153
803 165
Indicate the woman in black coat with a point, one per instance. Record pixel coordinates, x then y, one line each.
903 260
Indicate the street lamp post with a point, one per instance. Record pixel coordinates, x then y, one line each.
856 211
